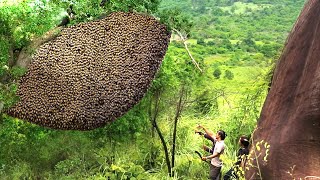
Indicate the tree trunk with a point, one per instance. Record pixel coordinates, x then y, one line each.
157 95
176 118
25 56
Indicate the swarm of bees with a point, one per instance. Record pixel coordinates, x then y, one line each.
92 73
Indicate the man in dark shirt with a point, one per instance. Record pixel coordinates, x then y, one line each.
235 171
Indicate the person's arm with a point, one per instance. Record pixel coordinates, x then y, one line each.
210 133
207 136
211 138
211 156
216 153
199 132
206 148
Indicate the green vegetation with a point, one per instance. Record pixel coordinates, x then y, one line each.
236 45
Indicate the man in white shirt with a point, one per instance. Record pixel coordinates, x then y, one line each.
216 163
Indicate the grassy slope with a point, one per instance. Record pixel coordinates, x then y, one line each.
265 28
242 8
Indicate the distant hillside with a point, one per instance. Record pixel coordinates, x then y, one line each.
265 20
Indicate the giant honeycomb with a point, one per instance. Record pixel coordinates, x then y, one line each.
92 73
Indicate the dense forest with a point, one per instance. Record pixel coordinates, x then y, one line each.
235 46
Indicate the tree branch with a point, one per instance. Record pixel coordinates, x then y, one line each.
25 56
176 118
157 95
189 53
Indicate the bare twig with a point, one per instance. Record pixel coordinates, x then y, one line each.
186 47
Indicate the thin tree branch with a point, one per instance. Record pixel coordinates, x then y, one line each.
176 118
189 53
155 125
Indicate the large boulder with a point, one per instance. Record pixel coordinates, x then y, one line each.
286 143
92 73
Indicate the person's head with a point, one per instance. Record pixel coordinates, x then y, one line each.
244 141
221 135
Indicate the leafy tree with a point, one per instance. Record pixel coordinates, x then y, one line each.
201 41
211 43
228 74
269 50
217 73
20 23
207 102
175 19
227 44
233 9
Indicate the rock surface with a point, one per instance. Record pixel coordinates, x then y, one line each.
287 138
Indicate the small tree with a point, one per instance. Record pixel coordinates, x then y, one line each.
201 42
228 75
217 73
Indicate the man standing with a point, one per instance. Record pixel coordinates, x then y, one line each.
239 166
216 163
